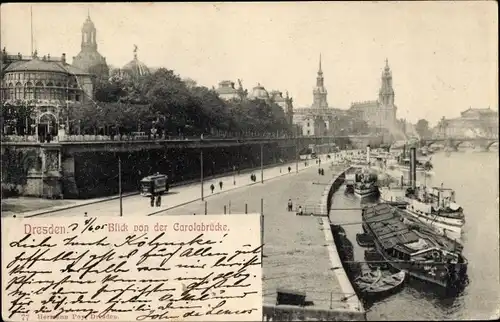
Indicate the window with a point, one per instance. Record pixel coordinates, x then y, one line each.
29 92
50 91
39 91
11 93
308 132
58 92
308 124
19 91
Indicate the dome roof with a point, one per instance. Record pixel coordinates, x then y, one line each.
135 67
35 65
259 92
226 87
277 96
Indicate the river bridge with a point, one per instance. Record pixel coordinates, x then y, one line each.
454 142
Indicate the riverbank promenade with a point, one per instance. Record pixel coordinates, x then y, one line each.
133 203
296 255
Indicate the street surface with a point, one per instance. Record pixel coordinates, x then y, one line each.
295 254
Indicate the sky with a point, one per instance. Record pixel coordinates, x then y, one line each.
443 55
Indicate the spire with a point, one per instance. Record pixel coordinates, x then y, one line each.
387 65
386 93
319 92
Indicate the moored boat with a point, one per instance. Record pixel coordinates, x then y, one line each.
421 166
364 240
377 283
435 207
423 255
367 185
375 260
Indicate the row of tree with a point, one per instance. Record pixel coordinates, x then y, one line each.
164 101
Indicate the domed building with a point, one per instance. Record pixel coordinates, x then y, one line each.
135 68
227 91
46 86
258 92
89 59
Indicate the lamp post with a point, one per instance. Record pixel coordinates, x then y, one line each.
201 168
234 175
262 163
120 184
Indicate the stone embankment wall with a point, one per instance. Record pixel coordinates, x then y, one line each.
95 174
353 309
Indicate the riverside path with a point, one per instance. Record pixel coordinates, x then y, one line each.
134 204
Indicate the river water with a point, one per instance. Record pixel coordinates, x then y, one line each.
474 177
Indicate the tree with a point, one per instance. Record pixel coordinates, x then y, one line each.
422 128
175 106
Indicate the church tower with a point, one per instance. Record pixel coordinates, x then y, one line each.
319 92
89 58
386 93
89 35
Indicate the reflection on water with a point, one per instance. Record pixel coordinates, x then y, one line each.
474 177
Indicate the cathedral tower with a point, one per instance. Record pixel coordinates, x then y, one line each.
386 93
319 92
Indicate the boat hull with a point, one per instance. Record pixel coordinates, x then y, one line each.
453 224
377 293
435 273
362 193
435 227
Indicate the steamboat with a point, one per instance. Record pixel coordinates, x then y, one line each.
366 185
435 207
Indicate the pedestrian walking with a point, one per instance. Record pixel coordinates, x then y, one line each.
158 201
212 187
289 169
300 212
290 205
220 185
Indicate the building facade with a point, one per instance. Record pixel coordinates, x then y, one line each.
286 103
89 59
471 123
227 91
379 113
44 89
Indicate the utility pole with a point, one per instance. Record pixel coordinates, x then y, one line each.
120 184
262 231
201 168
262 163
296 155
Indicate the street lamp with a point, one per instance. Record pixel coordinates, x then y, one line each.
234 175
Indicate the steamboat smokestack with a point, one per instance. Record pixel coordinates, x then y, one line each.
368 154
413 167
